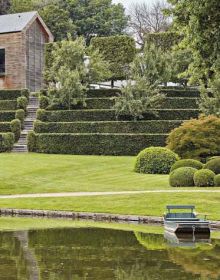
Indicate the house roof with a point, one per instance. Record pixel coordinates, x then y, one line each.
18 22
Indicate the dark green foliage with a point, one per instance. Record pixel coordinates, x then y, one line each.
214 165
6 116
106 127
5 126
163 40
92 144
182 177
22 103
6 141
31 141
119 51
187 163
100 93
109 115
12 94
8 105
20 114
196 138
15 126
25 92
217 180
204 178
44 101
155 160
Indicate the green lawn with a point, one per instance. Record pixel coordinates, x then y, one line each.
142 204
40 173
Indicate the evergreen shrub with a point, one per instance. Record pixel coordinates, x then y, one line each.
187 163
155 160
217 180
204 178
214 165
20 114
15 126
8 105
182 177
6 141
22 103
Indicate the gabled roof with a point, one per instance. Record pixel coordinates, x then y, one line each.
18 22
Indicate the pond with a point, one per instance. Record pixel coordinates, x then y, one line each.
91 252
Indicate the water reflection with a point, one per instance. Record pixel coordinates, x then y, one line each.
102 254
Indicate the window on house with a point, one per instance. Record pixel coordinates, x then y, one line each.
2 61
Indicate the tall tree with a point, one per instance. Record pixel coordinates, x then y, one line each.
96 18
4 6
199 22
148 19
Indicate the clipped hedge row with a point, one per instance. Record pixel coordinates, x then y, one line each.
109 115
6 141
93 144
13 94
8 105
181 93
180 103
106 127
7 116
14 126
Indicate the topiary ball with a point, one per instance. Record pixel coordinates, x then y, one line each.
187 163
155 160
204 178
182 177
217 180
214 165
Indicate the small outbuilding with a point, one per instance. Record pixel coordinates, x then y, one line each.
22 42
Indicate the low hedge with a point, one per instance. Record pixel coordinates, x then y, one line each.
5 127
182 177
204 178
106 127
214 165
109 115
6 116
187 163
99 93
155 160
8 105
92 144
6 141
180 103
217 180
13 94
180 92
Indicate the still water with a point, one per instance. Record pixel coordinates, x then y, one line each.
102 254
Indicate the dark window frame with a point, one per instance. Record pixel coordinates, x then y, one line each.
2 61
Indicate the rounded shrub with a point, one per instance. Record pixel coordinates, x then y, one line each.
44 102
155 160
217 180
182 177
187 163
31 141
22 103
15 126
204 178
214 165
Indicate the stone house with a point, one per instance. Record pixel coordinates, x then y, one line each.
22 41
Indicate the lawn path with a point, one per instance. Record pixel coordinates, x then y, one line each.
81 194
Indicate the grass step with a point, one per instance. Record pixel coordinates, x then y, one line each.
153 126
109 115
97 144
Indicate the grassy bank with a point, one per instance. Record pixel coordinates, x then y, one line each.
144 204
40 173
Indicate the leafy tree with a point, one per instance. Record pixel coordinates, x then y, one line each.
119 51
148 71
96 18
4 6
199 22
68 74
209 102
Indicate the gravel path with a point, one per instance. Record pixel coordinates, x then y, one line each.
81 194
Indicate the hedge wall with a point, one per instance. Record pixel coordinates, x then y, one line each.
164 40
7 116
6 141
181 93
14 126
106 127
99 93
5 126
180 103
13 94
89 144
8 105
109 115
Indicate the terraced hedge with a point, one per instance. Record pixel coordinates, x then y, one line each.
109 115
93 144
6 141
13 94
106 127
8 105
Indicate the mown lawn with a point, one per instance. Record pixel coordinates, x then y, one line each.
142 204
40 173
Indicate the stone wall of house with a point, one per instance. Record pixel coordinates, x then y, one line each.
15 76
